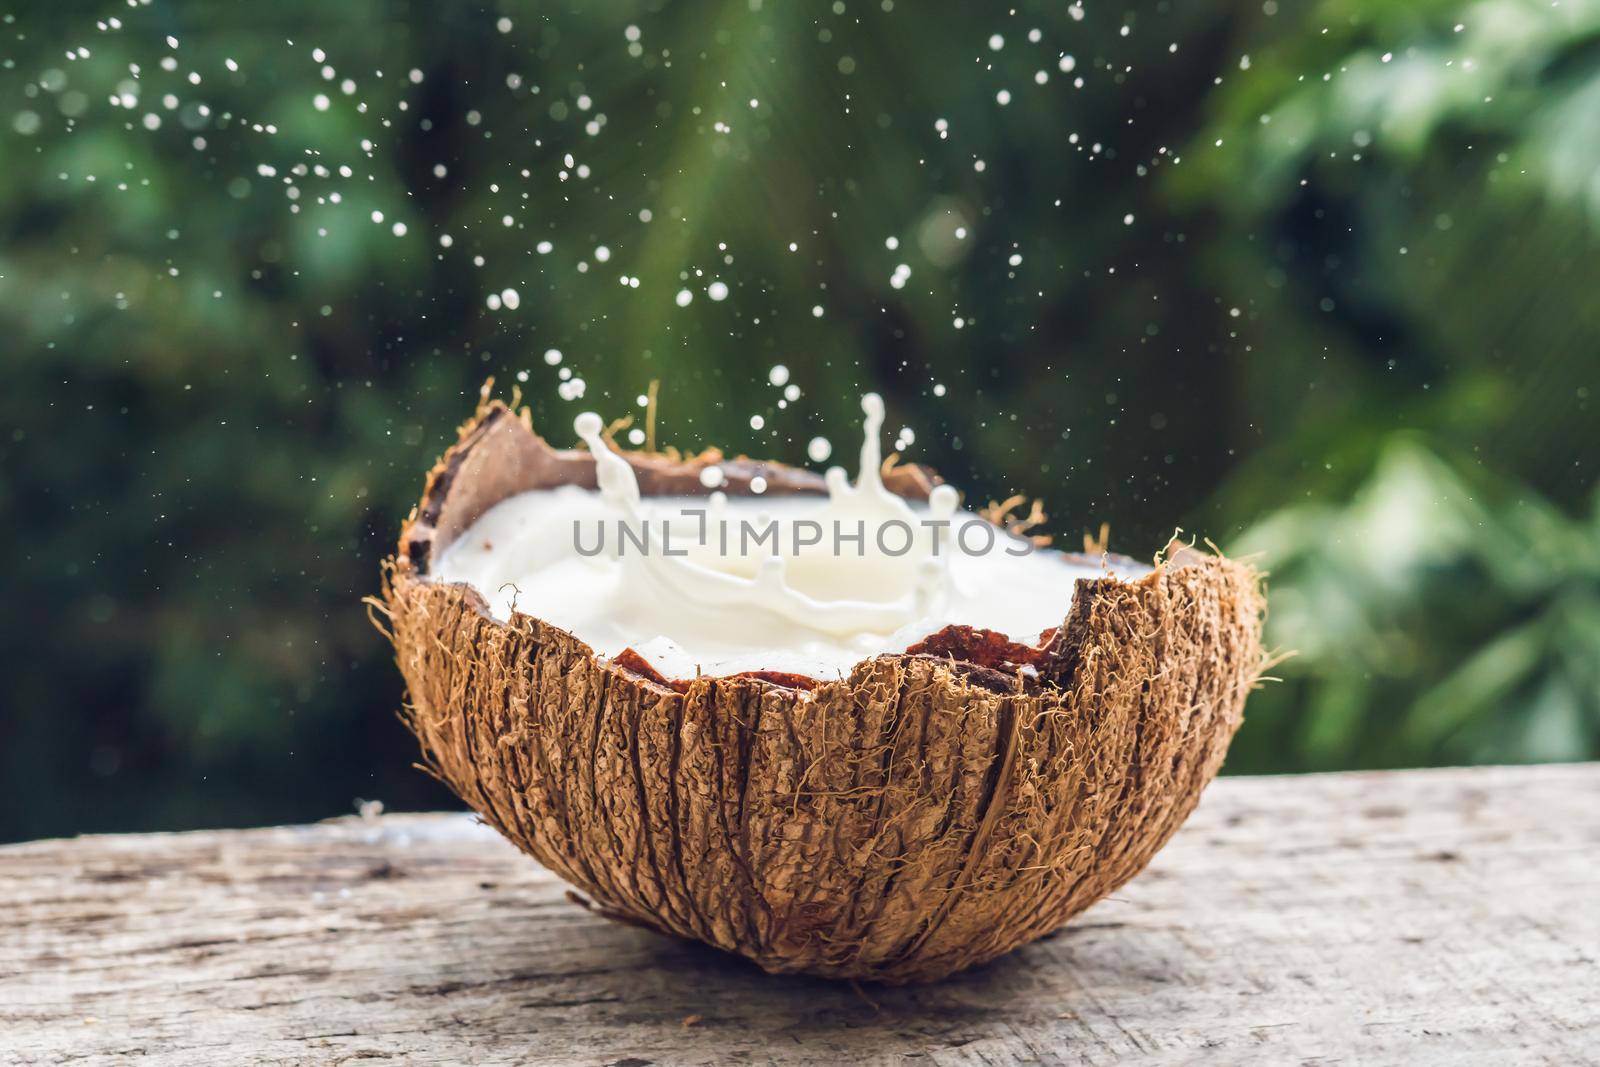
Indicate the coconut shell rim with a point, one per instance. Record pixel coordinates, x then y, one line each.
1054 656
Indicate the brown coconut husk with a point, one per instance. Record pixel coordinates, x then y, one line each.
932 811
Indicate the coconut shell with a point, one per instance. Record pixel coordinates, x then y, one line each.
932 811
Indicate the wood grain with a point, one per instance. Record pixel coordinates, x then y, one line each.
1417 917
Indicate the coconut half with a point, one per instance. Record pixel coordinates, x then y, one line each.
933 809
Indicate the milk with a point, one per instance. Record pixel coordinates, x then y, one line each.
717 585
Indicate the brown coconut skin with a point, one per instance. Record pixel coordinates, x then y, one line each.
921 816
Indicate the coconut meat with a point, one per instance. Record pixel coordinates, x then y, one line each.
796 584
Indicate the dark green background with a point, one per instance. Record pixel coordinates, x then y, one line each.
1317 281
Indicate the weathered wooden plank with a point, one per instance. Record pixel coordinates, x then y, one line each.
1405 917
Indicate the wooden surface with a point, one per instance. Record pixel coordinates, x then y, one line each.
1417 917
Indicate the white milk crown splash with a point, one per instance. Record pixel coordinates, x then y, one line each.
891 561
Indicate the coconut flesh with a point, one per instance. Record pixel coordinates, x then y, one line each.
794 584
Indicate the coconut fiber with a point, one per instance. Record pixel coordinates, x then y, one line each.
931 811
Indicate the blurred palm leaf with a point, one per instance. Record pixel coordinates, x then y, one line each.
1436 619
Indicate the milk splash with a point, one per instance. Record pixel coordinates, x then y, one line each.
802 586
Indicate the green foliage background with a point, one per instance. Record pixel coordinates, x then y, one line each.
1314 280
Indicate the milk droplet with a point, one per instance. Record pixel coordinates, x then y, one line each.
552 356
757 422
717 291
778 375
684 297
510 298
819 449
711 477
